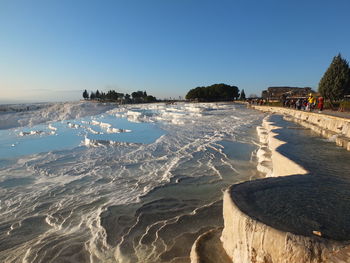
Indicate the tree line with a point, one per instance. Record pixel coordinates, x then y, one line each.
112 95
215 92
335 83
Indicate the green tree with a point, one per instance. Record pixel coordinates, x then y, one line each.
150 98
138 96
85 95
112 95
102 95
335 82
216 92
127 98
98 94
242 96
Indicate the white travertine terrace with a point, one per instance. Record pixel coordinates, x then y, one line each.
327 126
247 240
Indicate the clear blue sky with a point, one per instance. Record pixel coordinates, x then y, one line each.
54 49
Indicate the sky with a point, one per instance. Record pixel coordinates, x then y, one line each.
51 50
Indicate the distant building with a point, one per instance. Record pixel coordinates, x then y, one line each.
275 93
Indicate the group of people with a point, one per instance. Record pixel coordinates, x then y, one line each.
256 101
308 104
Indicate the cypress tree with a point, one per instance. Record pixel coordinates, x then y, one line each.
335 82
242 96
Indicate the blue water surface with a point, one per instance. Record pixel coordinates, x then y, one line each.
14 145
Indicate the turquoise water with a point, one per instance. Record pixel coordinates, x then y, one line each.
12 144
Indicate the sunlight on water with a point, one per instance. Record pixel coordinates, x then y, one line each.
133 184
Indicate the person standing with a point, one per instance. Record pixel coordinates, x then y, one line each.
283 99
311 102
298 104
320 104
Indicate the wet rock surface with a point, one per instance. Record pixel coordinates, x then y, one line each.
317 203
299 204
292 216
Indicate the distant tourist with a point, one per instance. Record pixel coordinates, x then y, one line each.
284 100
311 102
292 104
298 104
320 104
304 104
